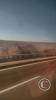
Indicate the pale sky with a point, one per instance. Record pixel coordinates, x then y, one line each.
28 20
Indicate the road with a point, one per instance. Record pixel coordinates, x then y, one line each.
21 82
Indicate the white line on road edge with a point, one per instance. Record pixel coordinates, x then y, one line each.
11 68
17 85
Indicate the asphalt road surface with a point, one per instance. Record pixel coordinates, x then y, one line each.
21 82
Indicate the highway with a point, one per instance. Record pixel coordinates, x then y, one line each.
21 82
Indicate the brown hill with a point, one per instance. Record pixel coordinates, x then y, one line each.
16 50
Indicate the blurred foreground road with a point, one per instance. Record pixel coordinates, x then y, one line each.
21 82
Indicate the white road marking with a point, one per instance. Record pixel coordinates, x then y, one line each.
11 68
17 85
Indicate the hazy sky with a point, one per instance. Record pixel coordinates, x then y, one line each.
28 20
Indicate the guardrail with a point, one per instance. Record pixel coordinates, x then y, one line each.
22 62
